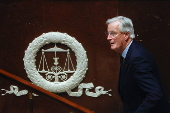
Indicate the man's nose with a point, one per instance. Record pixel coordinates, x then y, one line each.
109 37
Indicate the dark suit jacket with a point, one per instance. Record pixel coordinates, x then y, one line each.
139 83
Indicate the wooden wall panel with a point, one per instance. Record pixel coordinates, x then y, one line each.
22 21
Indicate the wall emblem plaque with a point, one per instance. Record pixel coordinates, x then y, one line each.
56 78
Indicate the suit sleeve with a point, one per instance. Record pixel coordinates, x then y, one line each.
146 80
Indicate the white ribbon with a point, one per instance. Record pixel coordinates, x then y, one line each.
14 89
99 90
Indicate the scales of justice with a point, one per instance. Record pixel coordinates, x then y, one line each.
56 73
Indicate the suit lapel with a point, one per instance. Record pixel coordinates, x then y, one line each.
125 64
124 67
130 51
128 55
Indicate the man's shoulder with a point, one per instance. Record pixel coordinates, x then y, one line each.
139 51
137 47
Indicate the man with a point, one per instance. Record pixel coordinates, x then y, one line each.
140 87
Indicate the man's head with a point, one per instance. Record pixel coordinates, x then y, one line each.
119 32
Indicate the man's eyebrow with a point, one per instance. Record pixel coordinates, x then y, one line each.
111 31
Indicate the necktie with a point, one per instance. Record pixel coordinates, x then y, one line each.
120 75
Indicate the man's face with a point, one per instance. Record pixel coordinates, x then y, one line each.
116 38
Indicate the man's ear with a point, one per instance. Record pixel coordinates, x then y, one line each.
127 35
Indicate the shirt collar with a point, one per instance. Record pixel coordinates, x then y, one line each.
126 50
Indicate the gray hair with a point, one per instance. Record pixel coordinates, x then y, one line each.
125 25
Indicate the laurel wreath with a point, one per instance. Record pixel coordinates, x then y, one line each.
55 37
